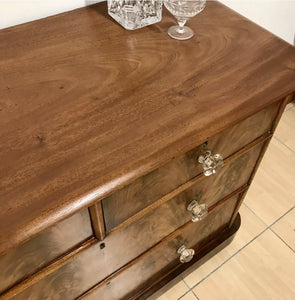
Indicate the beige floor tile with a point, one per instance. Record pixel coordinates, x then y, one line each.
172 291
264 270
273 190
290 105
188 296
251 226
285 131
285 228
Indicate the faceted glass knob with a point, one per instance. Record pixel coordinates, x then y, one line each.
186 255
199 211
211 163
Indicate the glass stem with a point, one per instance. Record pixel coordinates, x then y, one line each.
181 23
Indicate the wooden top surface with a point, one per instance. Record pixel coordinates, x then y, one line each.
87 107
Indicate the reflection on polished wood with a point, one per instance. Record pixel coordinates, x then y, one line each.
146 189
39 251
101 129
47 270
99 107
144 271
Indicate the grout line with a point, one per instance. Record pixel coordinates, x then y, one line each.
268 227
282 240
195 295
188 291
185 283
254 213
271 225
283 144
228 259
282 216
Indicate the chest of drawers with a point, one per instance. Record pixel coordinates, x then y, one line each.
125 155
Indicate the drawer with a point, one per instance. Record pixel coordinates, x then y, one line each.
40 250
163 180
158 262
89 267
169 216
122 246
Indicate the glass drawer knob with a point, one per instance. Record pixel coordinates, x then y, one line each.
186 255
199 211
211 163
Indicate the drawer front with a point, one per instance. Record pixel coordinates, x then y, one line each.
123 245
89 267
163 180
169 216
39 251
160 261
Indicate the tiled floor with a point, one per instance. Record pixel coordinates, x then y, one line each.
260 262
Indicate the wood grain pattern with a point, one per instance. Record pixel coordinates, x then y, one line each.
175 215
155 264
144 233
229 178
189 184
47 270
39 251
97 221
202 255
147 189
100 262
87 107
264 148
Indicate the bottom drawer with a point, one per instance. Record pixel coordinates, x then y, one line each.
159 261
87 268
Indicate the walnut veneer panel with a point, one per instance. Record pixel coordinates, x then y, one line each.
158 262
87 107
229 178
144 233
87 268
154 185
39 251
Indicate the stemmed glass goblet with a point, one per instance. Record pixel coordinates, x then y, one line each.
182 10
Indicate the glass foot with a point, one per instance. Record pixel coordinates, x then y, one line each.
178 33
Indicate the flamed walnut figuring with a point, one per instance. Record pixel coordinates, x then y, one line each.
100 134
181 169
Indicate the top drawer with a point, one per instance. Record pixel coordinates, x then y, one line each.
145 190
40 250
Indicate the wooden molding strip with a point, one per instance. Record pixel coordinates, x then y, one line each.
237 208
99 228
165 240
97 220
262 152
238 191
281 110
218 242
50 268
275 124
248 147
188 184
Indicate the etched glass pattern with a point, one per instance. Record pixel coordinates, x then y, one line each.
211 163
133 14
182 10
199 211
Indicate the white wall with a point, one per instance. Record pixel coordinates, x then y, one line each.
278 16
13 12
